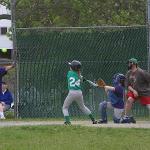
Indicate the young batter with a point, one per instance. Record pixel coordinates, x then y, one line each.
75 93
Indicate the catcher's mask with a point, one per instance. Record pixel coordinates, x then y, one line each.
118 78
75 65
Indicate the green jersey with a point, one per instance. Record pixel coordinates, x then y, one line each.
73 81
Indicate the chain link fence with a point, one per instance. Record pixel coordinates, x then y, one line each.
43 54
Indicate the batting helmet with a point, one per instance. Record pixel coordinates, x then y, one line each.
118 78
75 65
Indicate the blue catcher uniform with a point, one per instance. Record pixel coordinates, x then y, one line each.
115 99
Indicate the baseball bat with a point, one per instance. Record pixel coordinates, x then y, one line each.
91 83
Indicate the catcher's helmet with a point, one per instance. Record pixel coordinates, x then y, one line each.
118 78
75 65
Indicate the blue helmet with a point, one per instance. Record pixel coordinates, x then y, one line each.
118 78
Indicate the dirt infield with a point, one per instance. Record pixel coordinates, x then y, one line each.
139 124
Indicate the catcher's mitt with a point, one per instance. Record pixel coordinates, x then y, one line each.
101 83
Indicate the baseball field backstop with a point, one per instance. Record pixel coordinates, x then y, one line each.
43 54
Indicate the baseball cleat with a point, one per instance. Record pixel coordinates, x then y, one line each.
67 123
95 122
132 120
128 119
125 120
102 121
116 120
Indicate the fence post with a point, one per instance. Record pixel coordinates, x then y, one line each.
148 36
14 54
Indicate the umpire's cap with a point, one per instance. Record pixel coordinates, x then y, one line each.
75 65
133 60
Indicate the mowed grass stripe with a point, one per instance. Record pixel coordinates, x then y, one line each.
73 138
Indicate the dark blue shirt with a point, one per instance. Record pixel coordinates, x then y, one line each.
116 97
6 97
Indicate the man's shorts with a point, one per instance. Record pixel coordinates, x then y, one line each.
130 94
144 100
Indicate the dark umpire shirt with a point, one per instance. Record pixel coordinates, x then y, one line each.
139 80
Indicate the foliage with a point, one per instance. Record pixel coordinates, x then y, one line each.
35 13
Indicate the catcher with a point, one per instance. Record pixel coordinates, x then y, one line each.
115 99
75 93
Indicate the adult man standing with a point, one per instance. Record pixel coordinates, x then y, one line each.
3 71
138 85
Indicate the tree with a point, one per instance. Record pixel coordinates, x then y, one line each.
35 13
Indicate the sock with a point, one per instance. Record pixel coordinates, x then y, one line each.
91 117
67 119
1 115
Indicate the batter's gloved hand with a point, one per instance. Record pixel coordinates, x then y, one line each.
83 79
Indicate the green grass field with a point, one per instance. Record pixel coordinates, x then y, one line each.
73 138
